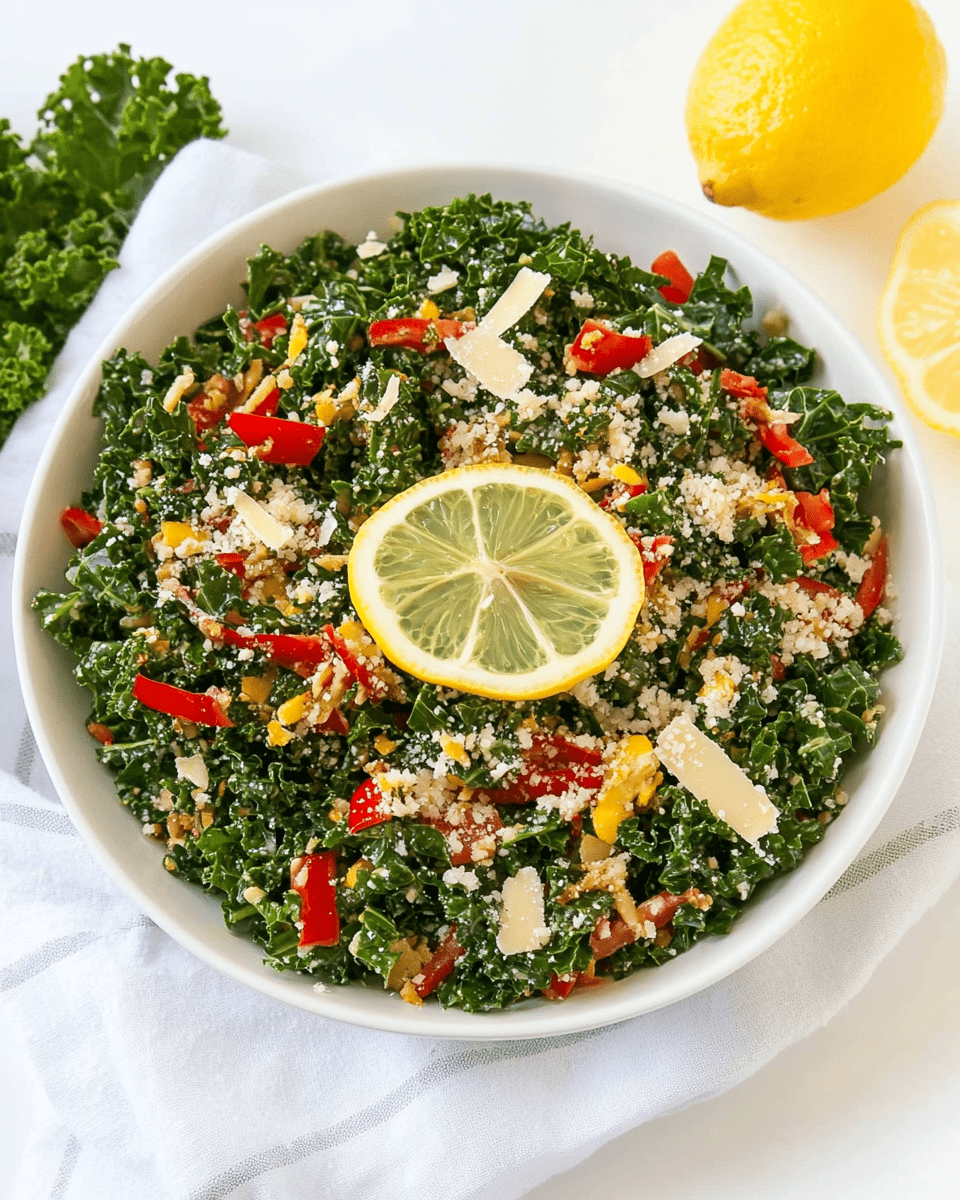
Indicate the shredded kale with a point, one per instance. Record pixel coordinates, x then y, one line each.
69 196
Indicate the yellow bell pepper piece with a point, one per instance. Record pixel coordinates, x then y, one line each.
175 532
626 474
362 864
298 338
455 750
631 782
291 711
277 735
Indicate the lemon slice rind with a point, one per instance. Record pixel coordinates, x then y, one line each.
569 616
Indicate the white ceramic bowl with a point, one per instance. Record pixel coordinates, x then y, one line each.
623 220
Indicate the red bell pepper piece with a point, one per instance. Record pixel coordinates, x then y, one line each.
234 563
659 910
266 405
314 878
366 807
336 723
197 707
292 650
678 290
814 550
816 514
653 563
470 830
552 766
781 445
294 443
80 526
270 328
439 965
417 333
289 650
743 386
817 587
623 490
599 350
540 781
359 671
264 331
553 750
774 435
560 989
874 582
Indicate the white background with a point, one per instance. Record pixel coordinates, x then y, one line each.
867 1107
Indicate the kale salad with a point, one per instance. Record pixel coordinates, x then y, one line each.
361 824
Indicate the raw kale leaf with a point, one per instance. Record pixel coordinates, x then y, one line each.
782 362
847 441
68 198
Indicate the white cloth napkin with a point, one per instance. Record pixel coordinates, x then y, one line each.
165 1079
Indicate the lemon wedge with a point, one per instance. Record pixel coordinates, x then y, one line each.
500 580
919 317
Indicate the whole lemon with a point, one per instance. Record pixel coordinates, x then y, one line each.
801 108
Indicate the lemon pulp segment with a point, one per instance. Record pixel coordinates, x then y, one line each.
505 581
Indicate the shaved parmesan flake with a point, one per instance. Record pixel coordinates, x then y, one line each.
522 922
391 394
193 769
495 365
519 297
443 281
328 527
260 523
705 769
371 248
667 353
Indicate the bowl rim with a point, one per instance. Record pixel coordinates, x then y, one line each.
805 886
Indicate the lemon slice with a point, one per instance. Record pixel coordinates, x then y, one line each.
504 581
919 319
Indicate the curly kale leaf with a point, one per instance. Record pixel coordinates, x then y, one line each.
114 123
394 459
716 313
847 441
69 197
25 357
782 362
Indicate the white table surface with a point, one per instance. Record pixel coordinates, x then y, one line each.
868 1106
